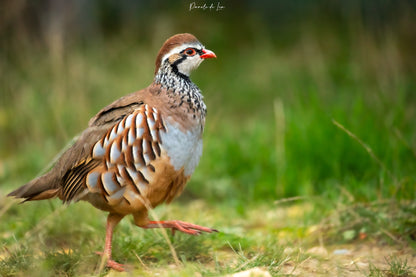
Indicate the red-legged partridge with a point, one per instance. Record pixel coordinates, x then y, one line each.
139 151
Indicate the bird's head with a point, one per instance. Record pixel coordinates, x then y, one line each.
182 53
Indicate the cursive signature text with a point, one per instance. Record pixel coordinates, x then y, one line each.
211 7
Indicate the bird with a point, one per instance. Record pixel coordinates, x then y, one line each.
139 151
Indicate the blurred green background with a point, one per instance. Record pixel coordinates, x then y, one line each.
287 72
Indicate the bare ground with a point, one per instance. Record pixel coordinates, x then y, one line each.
357 259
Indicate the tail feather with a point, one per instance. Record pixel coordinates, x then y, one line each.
43 187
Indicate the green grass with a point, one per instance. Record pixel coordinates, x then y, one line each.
396 268
328 121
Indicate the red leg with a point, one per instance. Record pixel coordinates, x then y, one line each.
112 221
181 226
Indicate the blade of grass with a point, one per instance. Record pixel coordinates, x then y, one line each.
149 207
364 145
369 151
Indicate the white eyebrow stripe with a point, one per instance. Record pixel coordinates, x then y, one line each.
178 49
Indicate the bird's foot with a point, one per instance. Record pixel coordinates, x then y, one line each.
184 227
112 264
115 265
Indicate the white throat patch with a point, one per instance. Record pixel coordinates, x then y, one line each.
191 63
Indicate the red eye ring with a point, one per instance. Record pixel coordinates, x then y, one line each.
190 51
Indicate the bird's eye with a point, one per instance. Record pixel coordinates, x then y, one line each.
190 51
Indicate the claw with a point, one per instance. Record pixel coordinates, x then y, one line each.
112 264
184 227
115 265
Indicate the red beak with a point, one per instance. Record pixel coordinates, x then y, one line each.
207 54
